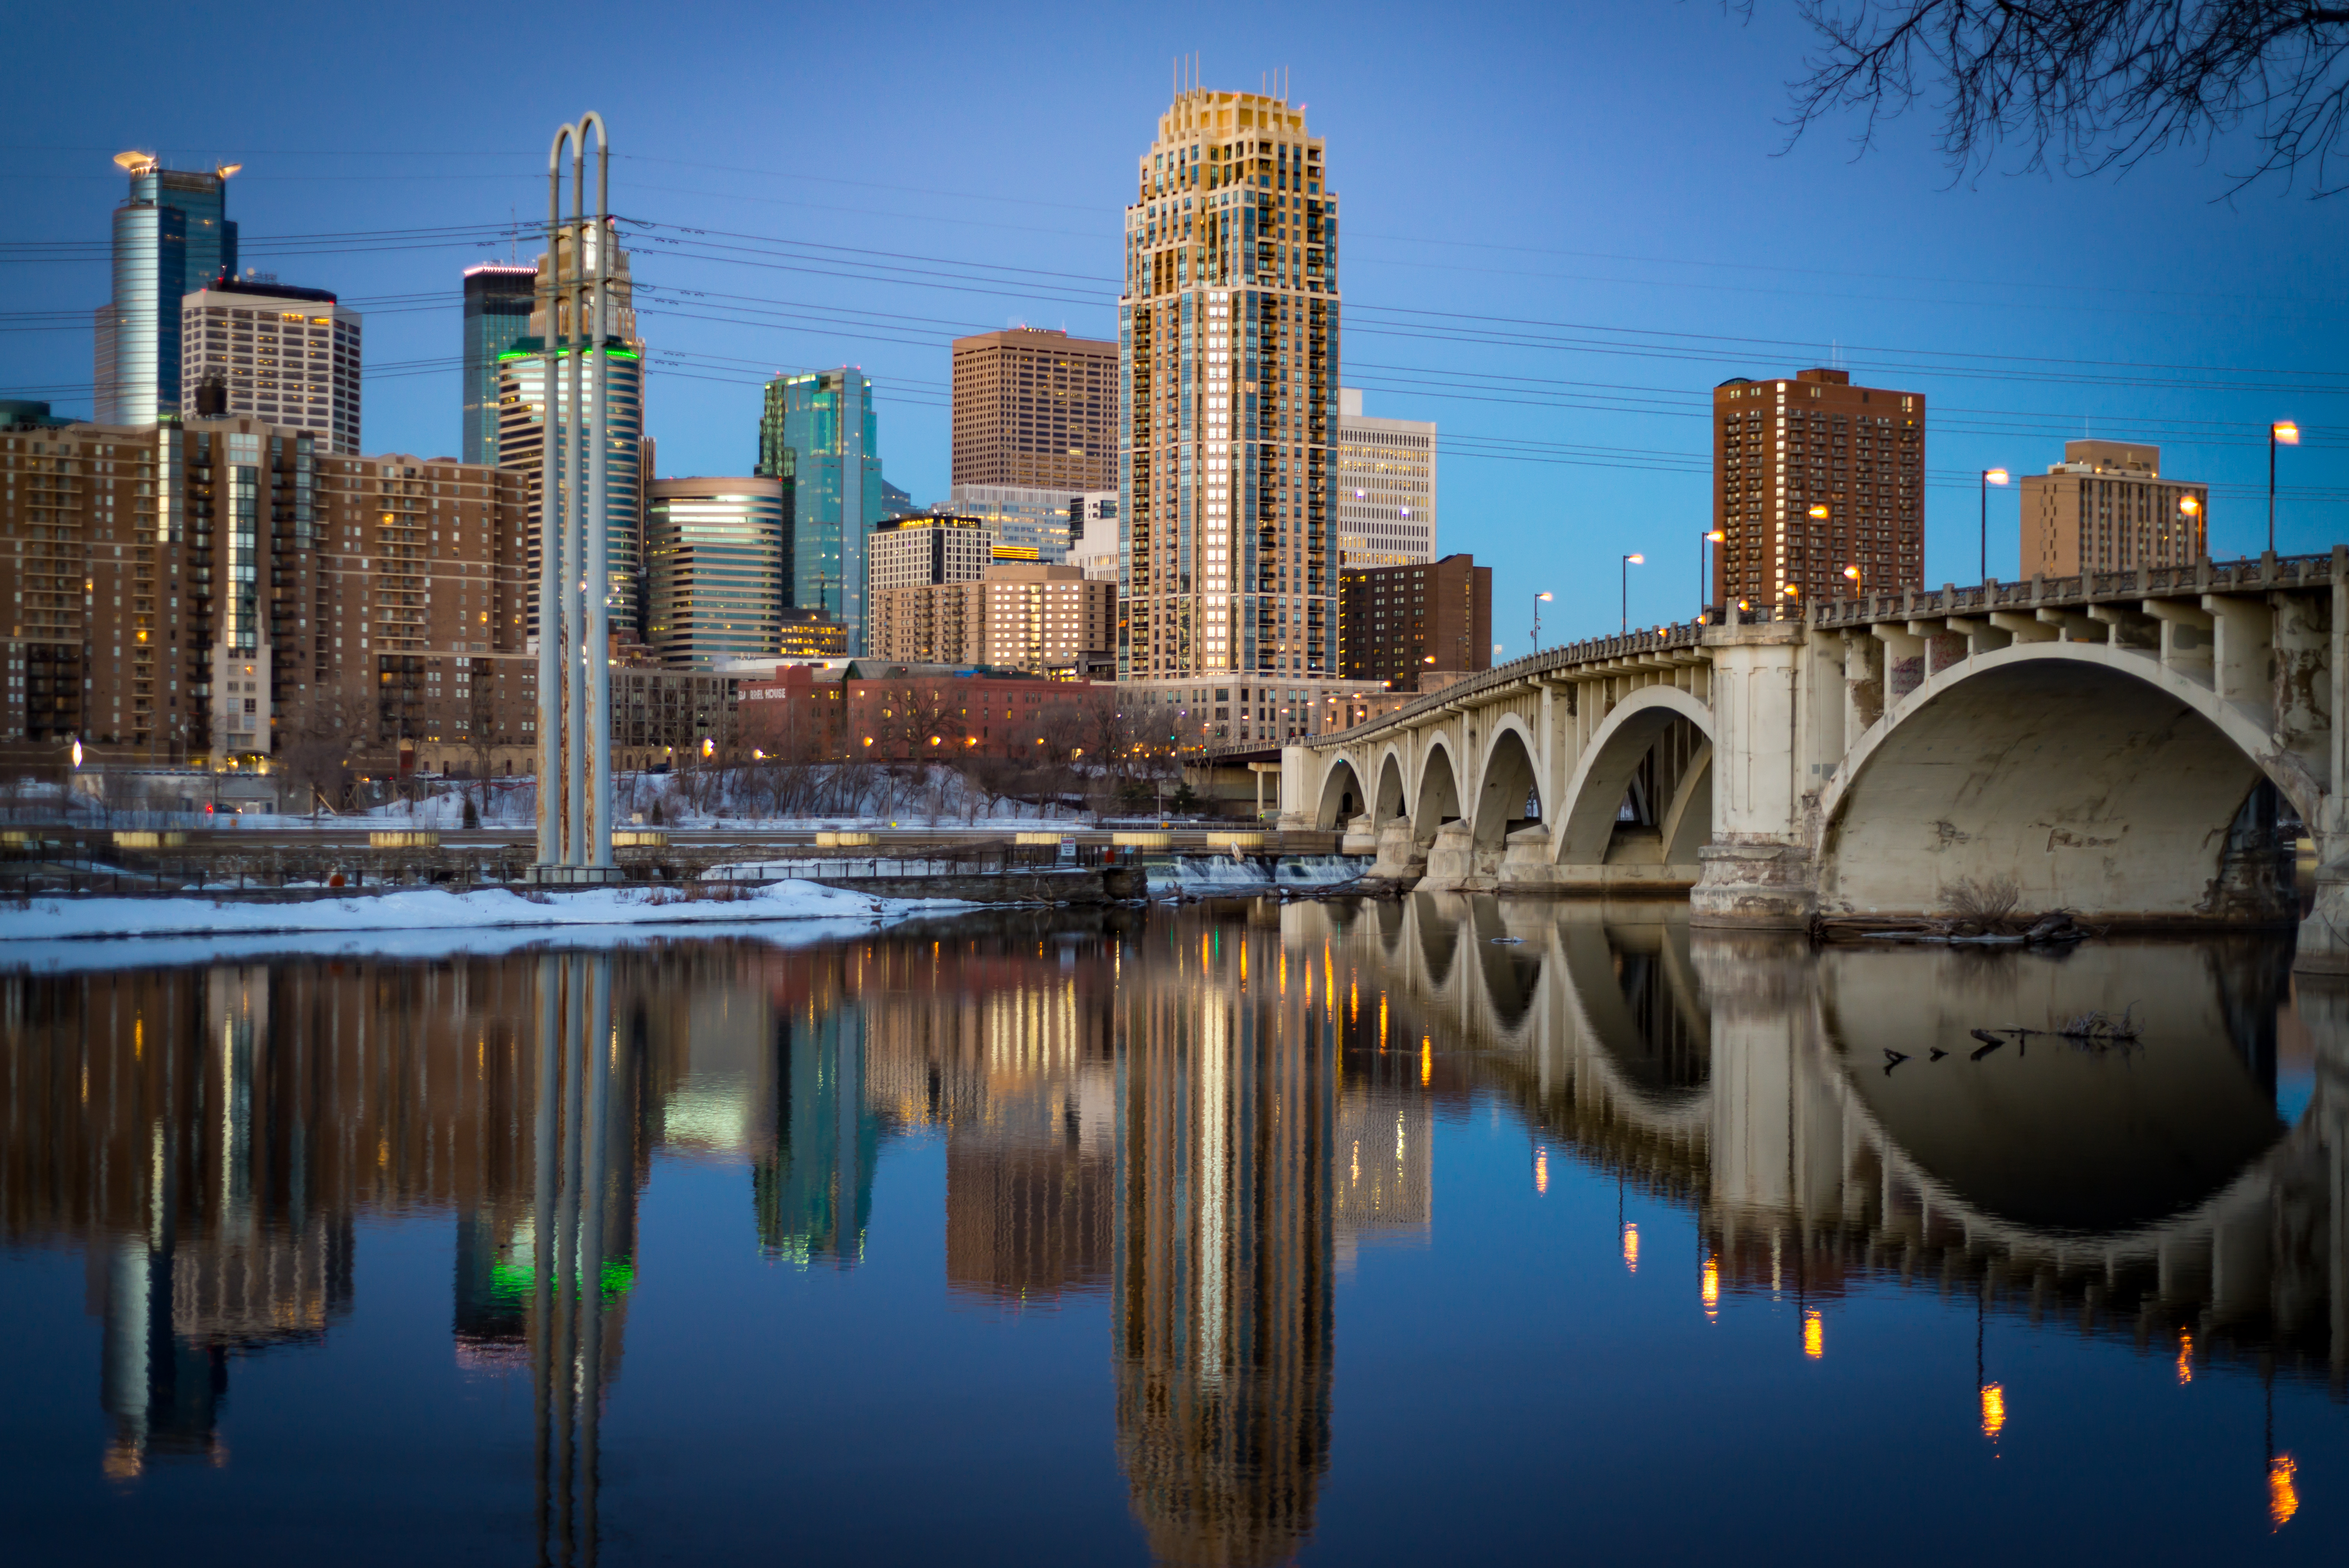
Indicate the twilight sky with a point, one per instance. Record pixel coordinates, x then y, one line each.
1560 227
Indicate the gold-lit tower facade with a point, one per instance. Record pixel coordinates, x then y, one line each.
1227 357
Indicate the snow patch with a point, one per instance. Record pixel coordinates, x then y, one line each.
437 909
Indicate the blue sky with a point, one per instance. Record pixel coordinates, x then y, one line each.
1561 226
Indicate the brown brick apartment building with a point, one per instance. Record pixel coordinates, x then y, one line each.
1397 623
1784 450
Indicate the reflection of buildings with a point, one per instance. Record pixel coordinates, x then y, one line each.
210 1135
1014 1069
1221 1310
813 1193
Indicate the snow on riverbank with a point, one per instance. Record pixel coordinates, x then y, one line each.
433 910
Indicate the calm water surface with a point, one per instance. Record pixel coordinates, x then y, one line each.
1236 1234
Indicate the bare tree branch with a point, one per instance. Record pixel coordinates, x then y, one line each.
2089 86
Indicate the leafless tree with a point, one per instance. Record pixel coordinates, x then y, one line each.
2090 85
329 732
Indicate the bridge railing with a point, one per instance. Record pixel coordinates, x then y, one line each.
1679 636
2205 576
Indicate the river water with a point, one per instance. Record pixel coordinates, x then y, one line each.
1437 1229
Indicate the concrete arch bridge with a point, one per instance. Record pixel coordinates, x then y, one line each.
2138 747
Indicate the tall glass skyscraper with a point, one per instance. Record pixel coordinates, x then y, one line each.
498 298
819 432
171 236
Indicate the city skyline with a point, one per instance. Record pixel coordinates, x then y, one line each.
1918 264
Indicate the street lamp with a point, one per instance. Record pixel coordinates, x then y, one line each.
1629 563
1704 579
2189 508
1539 600
1988 477
2282 433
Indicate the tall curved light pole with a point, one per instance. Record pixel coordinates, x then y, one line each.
1539 600
574 704
1629 563
1705 578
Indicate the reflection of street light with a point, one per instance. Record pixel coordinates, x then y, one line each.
2282 433
1539 600
1988 477
1629 563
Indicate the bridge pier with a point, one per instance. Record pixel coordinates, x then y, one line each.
1401 862
1758 870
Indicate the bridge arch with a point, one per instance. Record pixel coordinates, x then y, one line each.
1342 796
2094 778
1506 779
1392 798
1586 825
1436 800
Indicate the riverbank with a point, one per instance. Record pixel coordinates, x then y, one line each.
432 908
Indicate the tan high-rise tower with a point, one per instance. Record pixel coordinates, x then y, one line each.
1228 397
1037 410
1811 475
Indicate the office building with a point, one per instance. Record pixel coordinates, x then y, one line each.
1398 623
1020 615
1028 519
521 426
1228 333
261 349
172 235
713 570
1036 410
497 301
1786 451
1092 543
232 592
2105 508
811 634
818 431
1386 486
926 547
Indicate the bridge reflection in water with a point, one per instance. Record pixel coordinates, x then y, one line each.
1193 1122
1831 1115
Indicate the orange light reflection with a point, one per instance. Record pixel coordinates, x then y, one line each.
1993 1410
2283 1497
